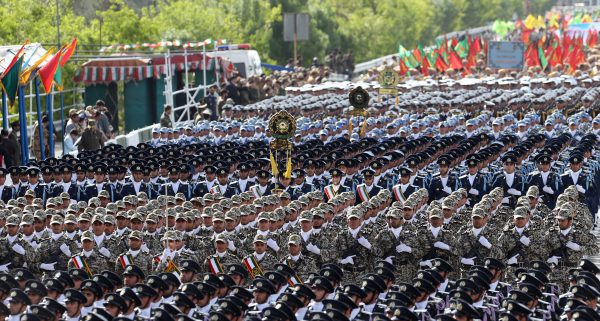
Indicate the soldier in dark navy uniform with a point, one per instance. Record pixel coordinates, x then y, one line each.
222 186
263 187
368 189
64 178
443 184
48 179
136 184
547 181
335 188
92 190
203 187
404 188
511 181
473 181
311 177
6 192
579 178
243 183
174 185
40 189
301 187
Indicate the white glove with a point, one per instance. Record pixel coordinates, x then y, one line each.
145 248
513 260
65 249
473 191
426 263
467 261
104 251
35 245
364 242
580 188
403 248
525 240
273 245
513 191
389 259
441 245
548 190
4 267
573 246
230 245
483 241
505 200
47 266
553 260
313 248
348 260
447 190
18 248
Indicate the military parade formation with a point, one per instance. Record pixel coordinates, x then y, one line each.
469 199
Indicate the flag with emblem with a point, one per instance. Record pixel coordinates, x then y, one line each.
398 192
362 192
255 191
125 260
329 192
215 265
80 263
215 190
253 266
294 280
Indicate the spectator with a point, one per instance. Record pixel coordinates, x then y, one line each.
35 146
232 89
165 118
74 121
15 137
91 138
9 147
103 121
70 140
211 101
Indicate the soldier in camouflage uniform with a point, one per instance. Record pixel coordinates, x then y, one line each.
55 251
303 265
441 241
135 255
175 251
401 245
567 245
478 240
320 236
353 249
266 261
223 256
520 242
89 256
151 235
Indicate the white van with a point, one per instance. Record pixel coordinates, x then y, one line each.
245 60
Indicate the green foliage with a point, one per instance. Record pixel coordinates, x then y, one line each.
371 28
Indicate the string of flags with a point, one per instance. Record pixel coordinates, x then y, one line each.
164 44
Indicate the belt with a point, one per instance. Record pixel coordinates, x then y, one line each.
568 264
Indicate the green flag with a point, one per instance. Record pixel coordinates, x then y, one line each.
10 81
462 48
58 78
543 60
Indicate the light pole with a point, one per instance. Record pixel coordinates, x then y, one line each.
57 25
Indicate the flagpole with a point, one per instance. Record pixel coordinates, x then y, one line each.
23 125
38 105
4 111
62 119
204 66
49 105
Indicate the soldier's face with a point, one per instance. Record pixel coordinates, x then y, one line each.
57 228
135 244
509 167
564 224
244 174
87 245
110 228
520 222
2 179
73 308
478 222
27 229
221 246
12 229
394 222
354 222
294 249
222 179
575 167
98 227
435 221
66 176
260 247
16 307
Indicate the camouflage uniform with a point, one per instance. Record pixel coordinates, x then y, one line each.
407 263
18 260
153 243
267 263
304 266
96 262
183 254
143 260
346 245
49 252
510 244
227 259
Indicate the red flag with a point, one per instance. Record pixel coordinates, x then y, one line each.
440 64
471 58
454 42
14 60
47 71
477 45
403 67
68 52
531 56
425 67
455 61
417 54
